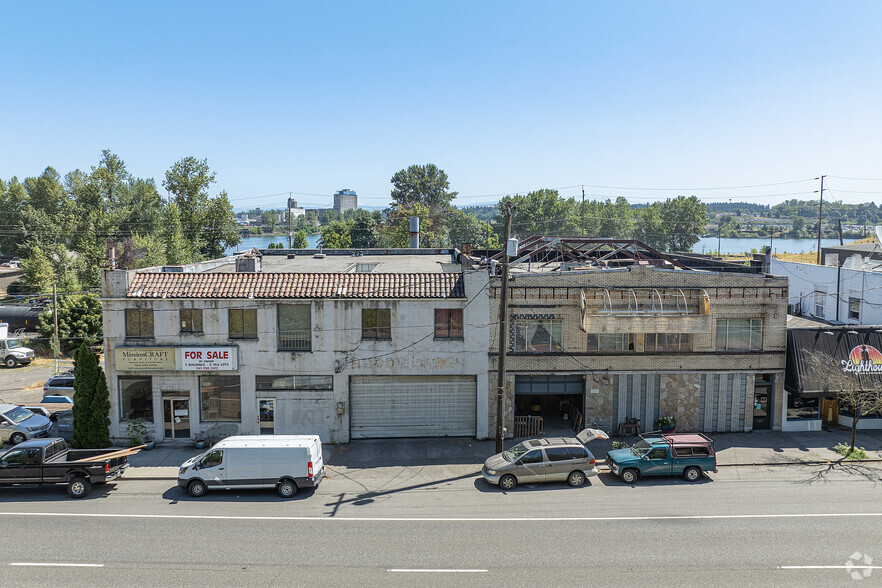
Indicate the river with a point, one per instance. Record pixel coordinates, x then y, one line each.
704 245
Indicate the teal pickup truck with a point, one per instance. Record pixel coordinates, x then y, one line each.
657 454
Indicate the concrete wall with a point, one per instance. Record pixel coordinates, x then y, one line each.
337 347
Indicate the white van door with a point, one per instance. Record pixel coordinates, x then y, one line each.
213 467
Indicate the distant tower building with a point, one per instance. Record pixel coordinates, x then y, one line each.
344 200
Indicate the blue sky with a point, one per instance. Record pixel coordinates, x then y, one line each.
506 97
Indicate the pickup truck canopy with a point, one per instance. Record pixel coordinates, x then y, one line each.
588 435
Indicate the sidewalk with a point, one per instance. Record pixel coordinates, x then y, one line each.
733 449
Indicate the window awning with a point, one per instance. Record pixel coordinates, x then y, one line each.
853 349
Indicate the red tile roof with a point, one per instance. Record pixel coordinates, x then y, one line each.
291 285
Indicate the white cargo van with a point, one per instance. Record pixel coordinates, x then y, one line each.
283 462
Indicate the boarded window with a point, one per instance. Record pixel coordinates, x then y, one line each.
376 323
243 323
139 323
191 320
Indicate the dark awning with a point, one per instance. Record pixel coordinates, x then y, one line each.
852 348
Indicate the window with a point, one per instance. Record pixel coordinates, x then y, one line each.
448 323
295 327
534 456
668 342
657 453
220 398
135 398
295 382
739 334
376 323
799 408
213 459
243 323
139 323
33 456
611 341
854 309
538 335
558 454
16 457
191 320
820 303
578 452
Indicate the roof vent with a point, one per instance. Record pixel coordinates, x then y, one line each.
319 256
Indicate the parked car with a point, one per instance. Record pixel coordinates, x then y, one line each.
40 410
49 461
64 421
554 459
61 384
657 454
18 424
283 462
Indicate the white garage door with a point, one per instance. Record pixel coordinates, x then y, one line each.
384 406
304 413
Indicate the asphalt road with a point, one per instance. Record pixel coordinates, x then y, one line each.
747 526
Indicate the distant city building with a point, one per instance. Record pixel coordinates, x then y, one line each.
295 210
344 200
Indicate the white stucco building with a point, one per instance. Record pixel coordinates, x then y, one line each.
344 346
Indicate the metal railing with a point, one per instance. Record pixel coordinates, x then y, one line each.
295 340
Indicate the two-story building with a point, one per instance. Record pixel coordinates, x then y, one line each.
604 330
342 344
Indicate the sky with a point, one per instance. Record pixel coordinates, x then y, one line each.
748 101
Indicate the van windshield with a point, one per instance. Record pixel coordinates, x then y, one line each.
18 414
515 452
640 448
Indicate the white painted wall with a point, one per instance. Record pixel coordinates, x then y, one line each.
805 279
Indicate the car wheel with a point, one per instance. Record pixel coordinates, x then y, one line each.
508 482
78 487
287 488
17 438
10 362
576 479
197 488
629 476
692 473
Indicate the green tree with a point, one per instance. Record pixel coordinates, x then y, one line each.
397 232
91 408
685 219
37 271
465 227
178 249
221 230
188 180
649 226
299 241
364 230
543 212
79 322
149 251
424 185
337 235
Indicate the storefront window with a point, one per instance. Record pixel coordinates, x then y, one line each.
135 398
295 382
221 398
799 408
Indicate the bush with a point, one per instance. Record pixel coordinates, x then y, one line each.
844 450
619 445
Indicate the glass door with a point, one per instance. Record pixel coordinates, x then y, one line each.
266 410
176 417
762 401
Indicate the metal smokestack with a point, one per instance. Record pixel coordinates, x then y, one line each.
414 232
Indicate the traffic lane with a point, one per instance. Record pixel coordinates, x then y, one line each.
513 552
423 493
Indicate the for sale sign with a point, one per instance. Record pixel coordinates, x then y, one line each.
208 359
177 359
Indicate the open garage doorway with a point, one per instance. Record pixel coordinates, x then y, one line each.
558 401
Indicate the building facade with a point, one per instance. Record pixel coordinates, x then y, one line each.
602 332
344 354
344 200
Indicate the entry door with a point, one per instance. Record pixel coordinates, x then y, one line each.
176 418
762 401
266 410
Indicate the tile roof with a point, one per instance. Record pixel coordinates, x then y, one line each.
293 285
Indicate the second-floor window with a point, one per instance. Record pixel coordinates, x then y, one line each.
191 320
668 342
376 323
739 334
538 335
448 323
139 323
611 341
295 327
854 309
243 323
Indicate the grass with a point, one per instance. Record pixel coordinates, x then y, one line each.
844 450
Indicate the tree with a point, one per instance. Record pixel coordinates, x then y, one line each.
299 241
649 226
178 249
364 230
685 219
464 227
859 391
79 322
397 232
221 230
188 180
543 212
91 408
427 186
37 269
336 235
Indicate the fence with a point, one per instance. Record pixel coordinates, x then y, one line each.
528 426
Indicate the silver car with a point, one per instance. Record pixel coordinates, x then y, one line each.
554 459
18 424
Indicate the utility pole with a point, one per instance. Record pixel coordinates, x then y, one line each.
583 211
507 210
820 208
290 245
56 348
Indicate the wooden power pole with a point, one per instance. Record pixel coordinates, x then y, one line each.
290 245
507 210
820 208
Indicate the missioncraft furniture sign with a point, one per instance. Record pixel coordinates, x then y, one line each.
180 359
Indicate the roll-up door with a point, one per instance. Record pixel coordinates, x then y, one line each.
406 406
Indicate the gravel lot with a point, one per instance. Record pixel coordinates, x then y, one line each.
23 385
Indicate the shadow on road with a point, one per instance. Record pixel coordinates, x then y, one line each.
51 493
175 495
482 485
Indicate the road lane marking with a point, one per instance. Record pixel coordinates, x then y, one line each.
58 565
830 568
437 571
445 519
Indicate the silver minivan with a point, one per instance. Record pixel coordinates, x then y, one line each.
553 459
18 424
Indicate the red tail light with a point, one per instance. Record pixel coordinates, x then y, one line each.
106 468
592 461
309 470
